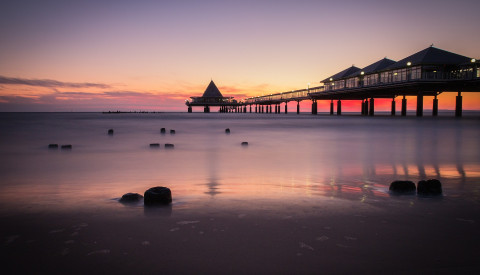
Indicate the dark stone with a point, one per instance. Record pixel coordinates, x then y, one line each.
430 187
53 146
157 196
110 131
402 187
244 143
67 146
154 145
227 131
169 146
172 132
131 197
162 130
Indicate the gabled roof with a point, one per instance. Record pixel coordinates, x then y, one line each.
430 56
375 67
212 91
342 74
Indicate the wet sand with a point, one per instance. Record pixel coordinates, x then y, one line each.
409 235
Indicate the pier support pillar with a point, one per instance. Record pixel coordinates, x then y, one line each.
394 107
206 109
286 104
250 108
372 107
365 108
435 106
189 109
458 105
362 110
420 104
270 109
245 109
331 107
339 107
256 108
404 106
298 107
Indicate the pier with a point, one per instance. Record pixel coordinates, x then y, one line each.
426 73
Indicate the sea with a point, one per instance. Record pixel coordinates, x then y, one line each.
308 194
289 157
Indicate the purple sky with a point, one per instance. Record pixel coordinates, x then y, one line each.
165 51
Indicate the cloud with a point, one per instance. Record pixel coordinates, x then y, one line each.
49 83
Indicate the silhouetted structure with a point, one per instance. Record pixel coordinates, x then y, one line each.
426 73
212 97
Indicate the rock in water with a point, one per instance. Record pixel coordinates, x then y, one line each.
402 187
67 146
172 132
162 130
110 131
131 197
429 187
154 145
227 131
53 146
244 143
169 146
157 196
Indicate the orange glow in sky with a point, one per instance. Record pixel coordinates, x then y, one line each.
152 55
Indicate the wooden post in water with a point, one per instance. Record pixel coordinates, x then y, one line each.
365 110
362 111
286 103
435 106
458 105
331 107
393 107
404 106
420 104
298 107
339 107
372 107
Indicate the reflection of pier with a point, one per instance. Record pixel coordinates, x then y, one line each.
426 73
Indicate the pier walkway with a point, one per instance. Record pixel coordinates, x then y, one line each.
429 72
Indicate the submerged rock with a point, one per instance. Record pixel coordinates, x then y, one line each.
157 196
429 187
53 146
172 132
67 146
244 143
131 197
402 187
169 146
154 145
110 131
162 130
227 131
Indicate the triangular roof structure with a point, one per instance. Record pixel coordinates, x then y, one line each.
375 67
430 56
212 91
342 74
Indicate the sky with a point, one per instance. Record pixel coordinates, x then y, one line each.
152 55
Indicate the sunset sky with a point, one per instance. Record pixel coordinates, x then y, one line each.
152 55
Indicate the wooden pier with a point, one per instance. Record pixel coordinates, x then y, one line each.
426 73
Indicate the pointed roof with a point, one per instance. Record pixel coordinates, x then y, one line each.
431 56
212 91
374 67
342 74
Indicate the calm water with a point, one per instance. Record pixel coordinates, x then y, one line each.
313 159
